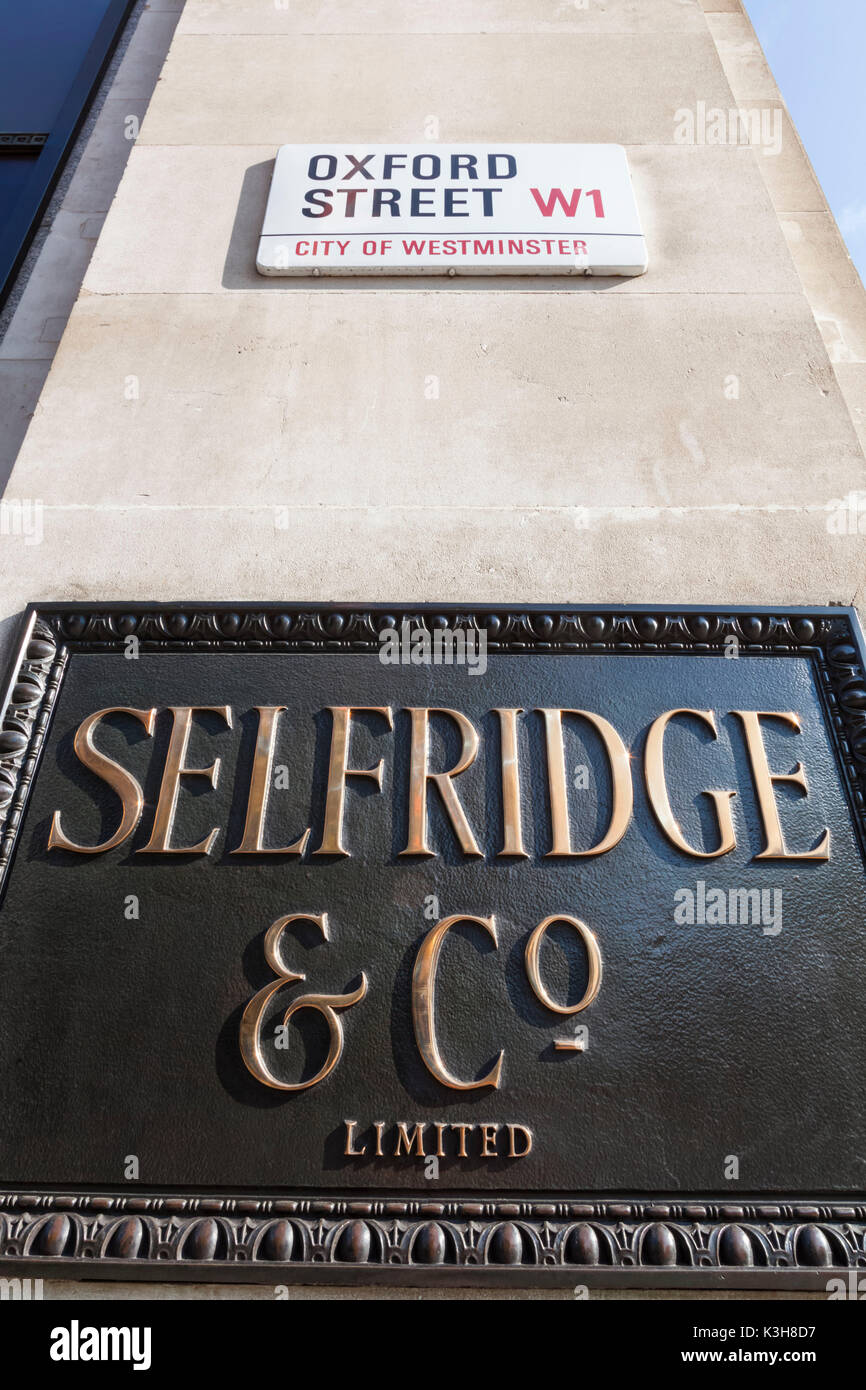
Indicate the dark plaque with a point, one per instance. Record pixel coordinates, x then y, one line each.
459 944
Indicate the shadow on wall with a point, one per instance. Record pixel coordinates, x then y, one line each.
21 382
49 281
239 267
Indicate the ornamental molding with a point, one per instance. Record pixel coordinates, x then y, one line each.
687 1241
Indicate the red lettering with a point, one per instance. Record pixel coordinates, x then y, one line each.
556 195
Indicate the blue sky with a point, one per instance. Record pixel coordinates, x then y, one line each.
817 50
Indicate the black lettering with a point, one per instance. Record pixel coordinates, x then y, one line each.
418 166
464 161
487 199
351 198
386 197
330 160
494 172
358 166
319 197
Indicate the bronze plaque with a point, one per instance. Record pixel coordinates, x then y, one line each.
436 943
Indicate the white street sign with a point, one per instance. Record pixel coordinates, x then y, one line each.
494 209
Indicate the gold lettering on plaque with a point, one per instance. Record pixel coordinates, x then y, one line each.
419 776
121 782
175 769
325 1004
658 792
260 786
765 780
533 967
462 1130
424 1003
620 769
414 1139
488 1141
405 1143
513 1131
350 1151
338 771
512 841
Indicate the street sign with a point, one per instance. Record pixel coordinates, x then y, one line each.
436 209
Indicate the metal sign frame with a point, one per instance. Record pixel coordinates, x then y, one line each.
702 1239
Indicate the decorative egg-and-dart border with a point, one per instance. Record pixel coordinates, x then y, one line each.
788 1241
283 1240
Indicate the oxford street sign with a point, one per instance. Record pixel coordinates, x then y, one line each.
440 944
451 210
